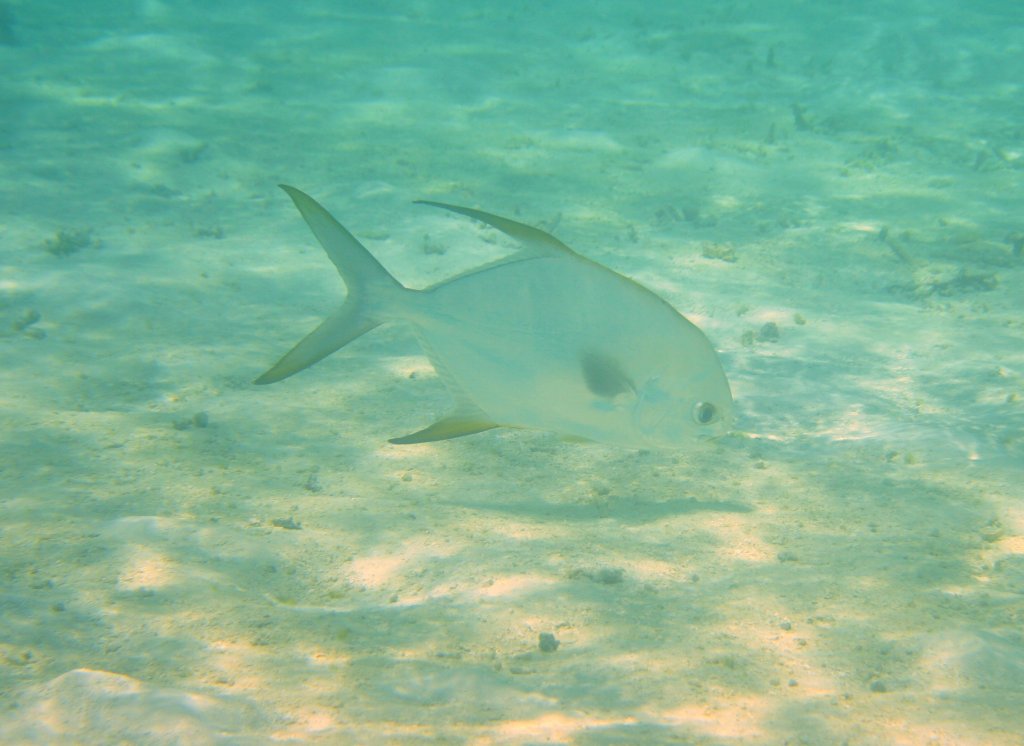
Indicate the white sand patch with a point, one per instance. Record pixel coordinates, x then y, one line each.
85 705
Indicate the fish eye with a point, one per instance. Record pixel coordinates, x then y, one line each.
704 412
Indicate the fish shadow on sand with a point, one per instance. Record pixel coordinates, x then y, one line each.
621 509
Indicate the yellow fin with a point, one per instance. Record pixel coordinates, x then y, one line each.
453 426
539 241
574 439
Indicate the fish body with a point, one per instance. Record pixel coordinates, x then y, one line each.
543 339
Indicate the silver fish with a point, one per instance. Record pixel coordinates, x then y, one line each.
543 339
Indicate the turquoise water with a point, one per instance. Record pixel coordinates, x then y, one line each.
831 191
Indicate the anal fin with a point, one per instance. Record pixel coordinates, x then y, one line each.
454 426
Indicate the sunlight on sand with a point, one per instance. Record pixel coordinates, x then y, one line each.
377 571
552 728
738 717
146 569
736 542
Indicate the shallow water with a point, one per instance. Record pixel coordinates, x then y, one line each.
188 558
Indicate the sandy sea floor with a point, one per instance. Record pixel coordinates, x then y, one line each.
832 192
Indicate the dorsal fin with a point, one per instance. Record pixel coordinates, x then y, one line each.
532 238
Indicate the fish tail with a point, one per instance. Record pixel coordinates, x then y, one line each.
369 285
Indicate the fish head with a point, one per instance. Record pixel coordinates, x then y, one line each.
674 410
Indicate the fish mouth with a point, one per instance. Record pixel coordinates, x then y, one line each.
718 430
711 437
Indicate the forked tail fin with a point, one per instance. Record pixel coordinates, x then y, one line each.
369 287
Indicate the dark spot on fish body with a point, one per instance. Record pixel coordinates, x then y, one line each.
604 375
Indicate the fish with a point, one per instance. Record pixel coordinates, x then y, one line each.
542 339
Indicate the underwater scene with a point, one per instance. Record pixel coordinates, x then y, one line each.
706 428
